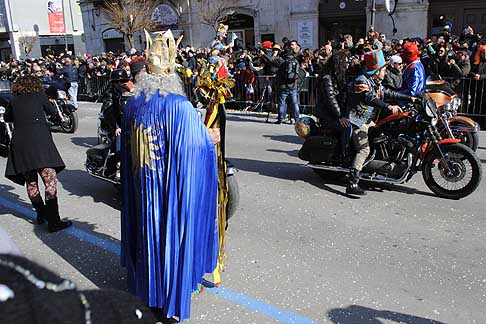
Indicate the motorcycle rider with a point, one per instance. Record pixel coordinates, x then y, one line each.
113 103
331 100
365 101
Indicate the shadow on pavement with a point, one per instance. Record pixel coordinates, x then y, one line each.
250 118
285 171
294 139
293 153
360 315
79 183
381 187
100 266
299 172
85 141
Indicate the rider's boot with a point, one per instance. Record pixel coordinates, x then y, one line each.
53 219
40 208
353 187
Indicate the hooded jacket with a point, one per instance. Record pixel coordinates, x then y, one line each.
414 74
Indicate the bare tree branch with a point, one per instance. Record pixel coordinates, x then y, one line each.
130 16
26 42
214 12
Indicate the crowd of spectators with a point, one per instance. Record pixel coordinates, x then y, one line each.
444 54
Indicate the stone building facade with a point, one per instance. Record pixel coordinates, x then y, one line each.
52 24
311 22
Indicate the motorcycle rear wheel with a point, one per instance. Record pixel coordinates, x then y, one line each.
469 139
465 164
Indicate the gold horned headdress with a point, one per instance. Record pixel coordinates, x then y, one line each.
161 52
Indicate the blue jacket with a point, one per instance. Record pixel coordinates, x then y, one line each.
414 78
70 73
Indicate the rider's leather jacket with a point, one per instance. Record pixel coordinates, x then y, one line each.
366 98
330 100
113 103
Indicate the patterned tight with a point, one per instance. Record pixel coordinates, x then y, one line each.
49 177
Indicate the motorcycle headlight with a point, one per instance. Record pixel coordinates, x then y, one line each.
455 103
61 94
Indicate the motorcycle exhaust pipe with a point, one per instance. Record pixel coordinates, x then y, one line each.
102 178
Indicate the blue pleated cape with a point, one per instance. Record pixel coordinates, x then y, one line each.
169 196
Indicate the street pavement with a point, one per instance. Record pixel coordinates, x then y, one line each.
299 250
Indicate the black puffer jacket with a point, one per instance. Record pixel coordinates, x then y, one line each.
330 99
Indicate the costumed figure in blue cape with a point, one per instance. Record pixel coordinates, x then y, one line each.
169 188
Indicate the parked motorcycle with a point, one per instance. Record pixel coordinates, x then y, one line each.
450 123
401 145
66 118
5 132
5 128
101 163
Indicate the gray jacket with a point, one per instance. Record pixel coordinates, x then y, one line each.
393 79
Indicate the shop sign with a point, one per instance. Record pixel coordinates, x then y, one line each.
305 32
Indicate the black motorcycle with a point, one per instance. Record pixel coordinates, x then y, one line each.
5 131
66 118
102 162
401 145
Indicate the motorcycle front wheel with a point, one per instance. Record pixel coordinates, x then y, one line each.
70 125
460 179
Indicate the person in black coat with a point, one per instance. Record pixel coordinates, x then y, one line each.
32 150
331 97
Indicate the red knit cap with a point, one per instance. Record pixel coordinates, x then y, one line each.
410 52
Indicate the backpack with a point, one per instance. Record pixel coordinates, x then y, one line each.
288 72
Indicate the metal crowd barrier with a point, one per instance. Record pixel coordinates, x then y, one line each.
472 94
91 89
264 96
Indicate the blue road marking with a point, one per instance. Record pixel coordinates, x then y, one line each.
225 293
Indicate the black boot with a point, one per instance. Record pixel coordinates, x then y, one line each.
53 219
353 188
40 209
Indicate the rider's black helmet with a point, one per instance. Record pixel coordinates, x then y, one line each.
119 75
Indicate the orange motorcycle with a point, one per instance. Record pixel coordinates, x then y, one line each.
452 125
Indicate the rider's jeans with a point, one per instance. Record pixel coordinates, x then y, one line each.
282 103
361 144
73 94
